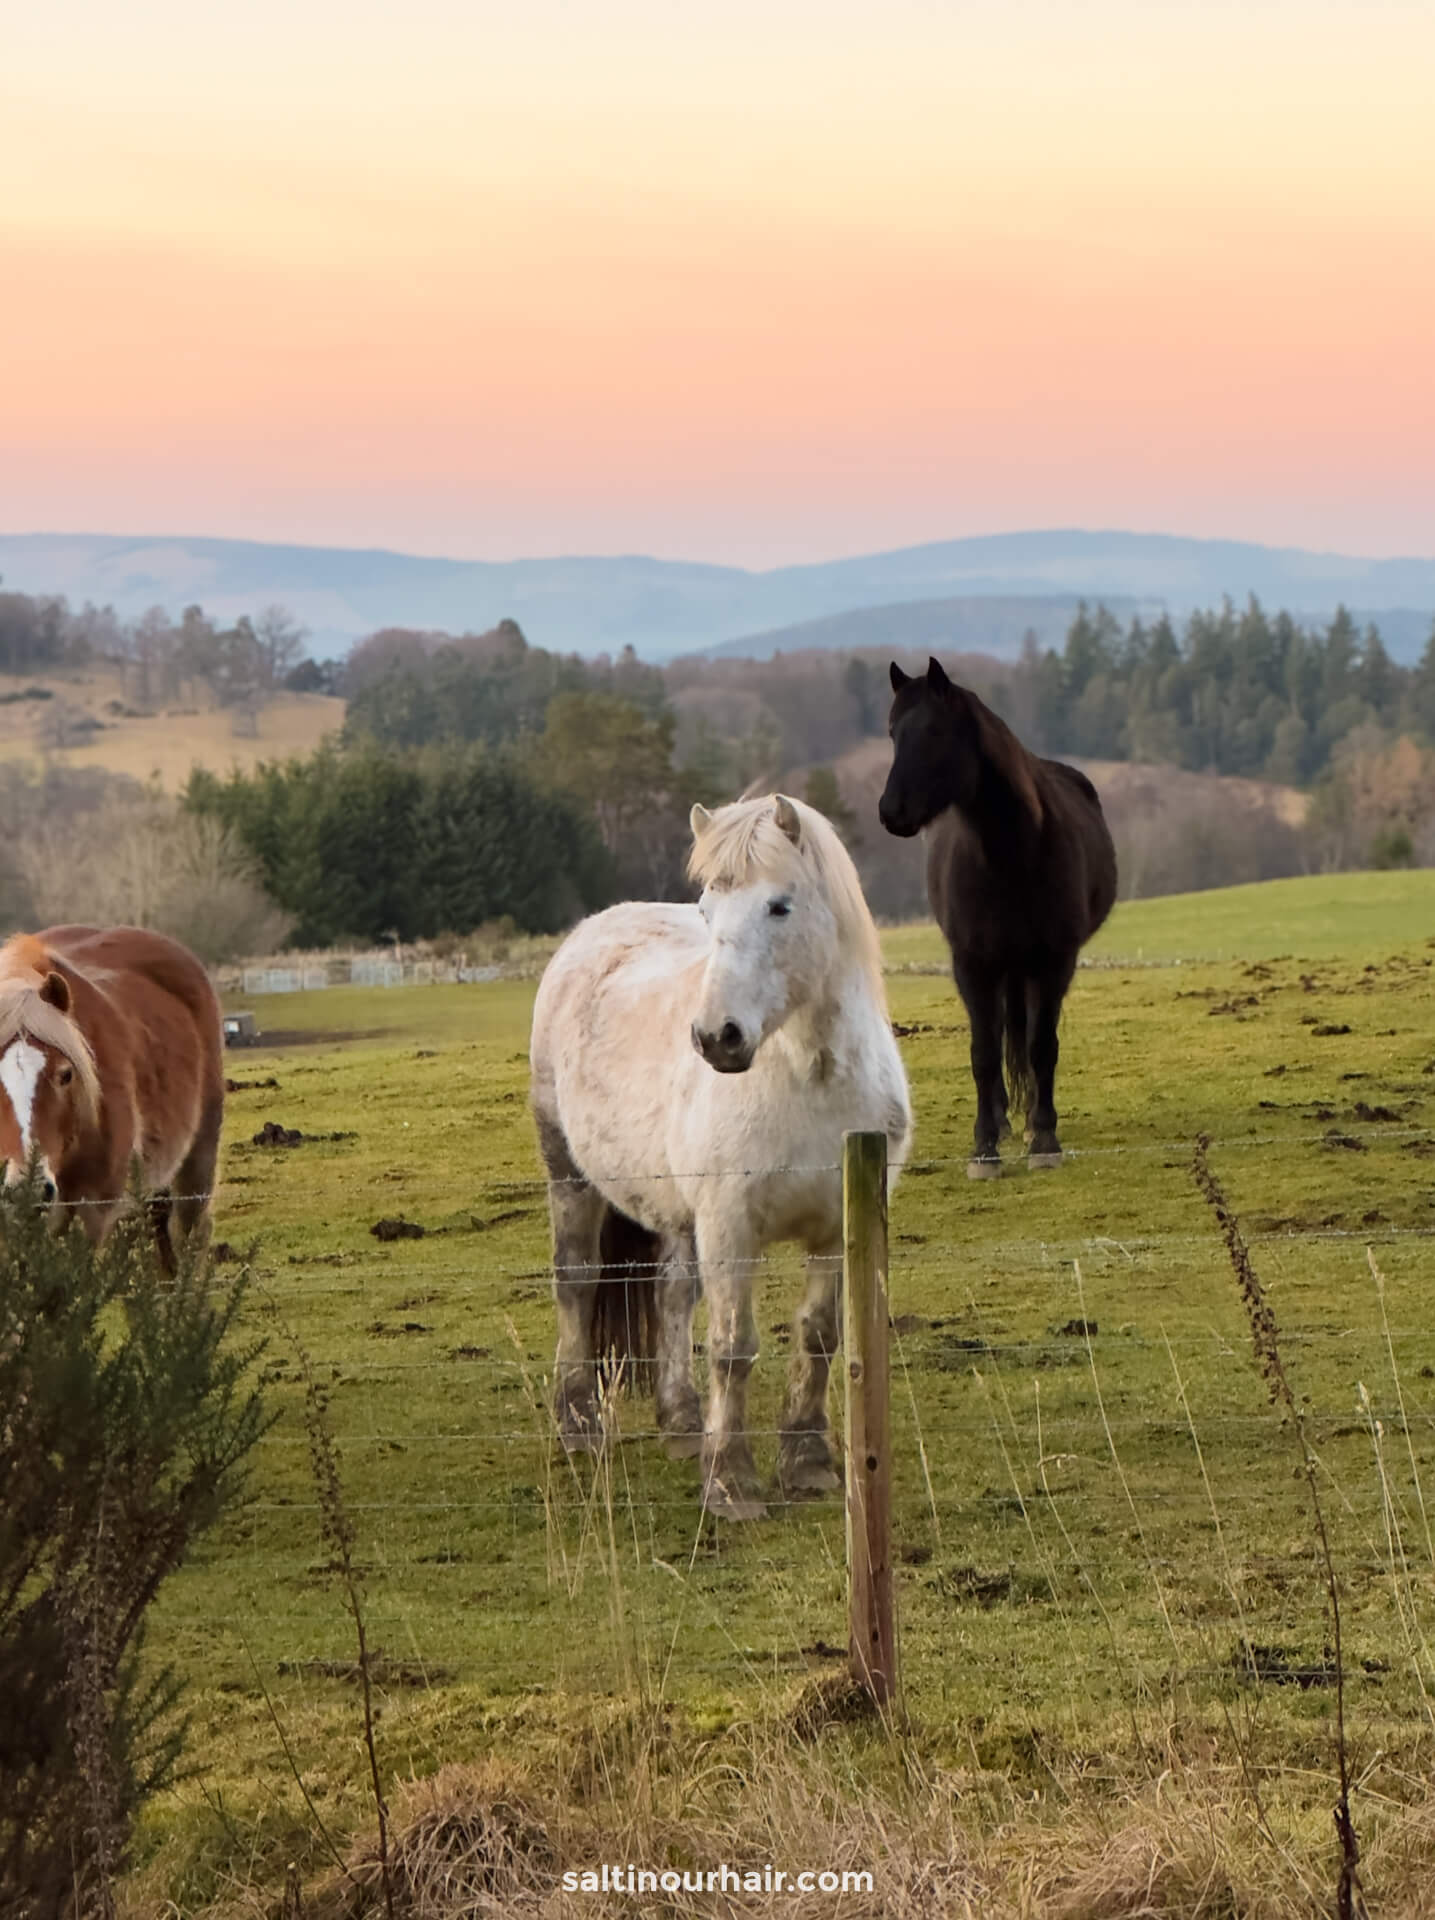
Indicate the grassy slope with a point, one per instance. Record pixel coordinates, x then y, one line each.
168 744
1048 1602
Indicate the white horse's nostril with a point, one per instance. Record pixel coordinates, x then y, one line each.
730 1039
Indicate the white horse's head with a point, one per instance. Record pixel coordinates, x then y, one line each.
785 910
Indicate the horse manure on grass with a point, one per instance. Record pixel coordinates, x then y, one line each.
272 1134
397 1229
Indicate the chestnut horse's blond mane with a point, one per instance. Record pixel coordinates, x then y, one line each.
25 1014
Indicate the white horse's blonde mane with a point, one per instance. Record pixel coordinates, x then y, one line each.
743 842
25 1015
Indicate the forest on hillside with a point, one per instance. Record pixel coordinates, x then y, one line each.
480 777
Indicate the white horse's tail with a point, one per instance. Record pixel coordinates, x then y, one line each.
625 1302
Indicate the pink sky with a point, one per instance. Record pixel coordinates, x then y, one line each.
750 282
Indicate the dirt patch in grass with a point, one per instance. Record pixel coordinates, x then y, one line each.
321 1036
384 1671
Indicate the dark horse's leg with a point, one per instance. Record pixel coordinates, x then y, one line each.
981 995
1044 996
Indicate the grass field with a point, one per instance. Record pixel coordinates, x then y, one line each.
1107 1574
167 744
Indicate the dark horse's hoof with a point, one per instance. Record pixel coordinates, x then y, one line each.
984 1166
1044 1149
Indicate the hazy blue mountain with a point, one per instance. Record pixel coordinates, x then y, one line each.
993 624
664 608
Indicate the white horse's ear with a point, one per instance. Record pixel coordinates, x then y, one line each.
699 818
786 816
55 992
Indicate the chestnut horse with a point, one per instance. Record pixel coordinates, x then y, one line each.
110 1052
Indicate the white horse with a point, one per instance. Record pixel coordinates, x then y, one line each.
694 1069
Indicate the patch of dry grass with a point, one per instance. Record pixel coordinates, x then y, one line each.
496 1838
167 743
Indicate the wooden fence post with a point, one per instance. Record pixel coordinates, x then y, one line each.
869 1485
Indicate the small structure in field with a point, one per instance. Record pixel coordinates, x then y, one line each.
241 1030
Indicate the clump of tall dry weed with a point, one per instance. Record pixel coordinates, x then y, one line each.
1265 1337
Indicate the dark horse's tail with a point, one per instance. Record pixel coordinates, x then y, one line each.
625 1302
1020 1080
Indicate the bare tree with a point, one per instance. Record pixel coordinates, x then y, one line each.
150 644
139 859
281 643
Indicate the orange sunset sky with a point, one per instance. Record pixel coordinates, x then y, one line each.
757 282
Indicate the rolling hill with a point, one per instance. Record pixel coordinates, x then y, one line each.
663 608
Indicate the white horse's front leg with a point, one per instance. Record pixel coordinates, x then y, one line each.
727 1255
804 1451
680 1413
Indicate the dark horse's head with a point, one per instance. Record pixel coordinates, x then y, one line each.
937 748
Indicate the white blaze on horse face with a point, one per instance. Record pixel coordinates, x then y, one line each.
764 945
21 1065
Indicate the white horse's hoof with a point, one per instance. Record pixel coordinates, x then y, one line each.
1042 1162
580 1436
984 1167
729 1504
804 1479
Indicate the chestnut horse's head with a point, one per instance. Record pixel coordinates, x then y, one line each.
49 1089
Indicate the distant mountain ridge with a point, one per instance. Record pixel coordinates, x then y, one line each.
993 625
664 608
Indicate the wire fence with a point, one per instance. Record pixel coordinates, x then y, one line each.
1074 1462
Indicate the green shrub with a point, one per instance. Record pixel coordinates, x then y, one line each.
127 1412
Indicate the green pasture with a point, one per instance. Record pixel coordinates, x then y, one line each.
1100 1528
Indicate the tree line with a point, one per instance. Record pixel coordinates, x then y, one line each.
366 842
239 664
479 777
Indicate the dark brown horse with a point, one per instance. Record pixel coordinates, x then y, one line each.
110 1053
1020 873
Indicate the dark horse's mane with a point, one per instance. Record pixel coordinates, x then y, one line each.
1009 759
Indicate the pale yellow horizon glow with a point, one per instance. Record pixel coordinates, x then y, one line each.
754 283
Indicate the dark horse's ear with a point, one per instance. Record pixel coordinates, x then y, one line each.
55 992
937 678
899 679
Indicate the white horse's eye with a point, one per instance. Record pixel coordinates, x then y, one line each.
779 909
